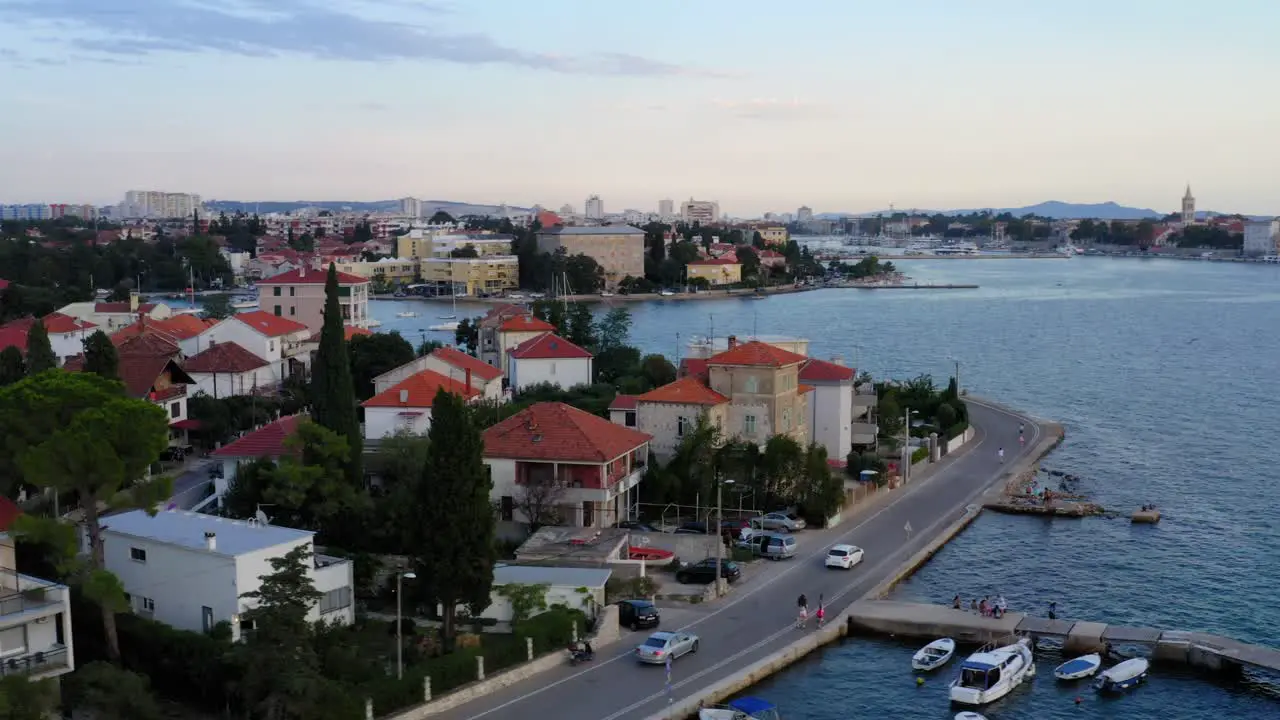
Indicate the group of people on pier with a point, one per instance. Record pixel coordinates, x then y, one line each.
986 607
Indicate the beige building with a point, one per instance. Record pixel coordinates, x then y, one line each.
484 245
773 234
700 211
299 296
717 271
619 249
392 270
471 276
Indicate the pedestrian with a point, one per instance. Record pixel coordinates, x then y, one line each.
1053 610
956 604
982 607
973 605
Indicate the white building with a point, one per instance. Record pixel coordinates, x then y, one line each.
411 207
191 570
702 211
277 340
66 334
840 417
35 616
804 214
111 316
158 204
666 209
565 586
453 364
593 209
406 406
1262 237
226 369
548 358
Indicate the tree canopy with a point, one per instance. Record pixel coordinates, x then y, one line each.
100 356
373 355
333 395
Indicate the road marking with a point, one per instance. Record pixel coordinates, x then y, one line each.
911 490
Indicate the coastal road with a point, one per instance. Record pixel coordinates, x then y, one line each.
758 617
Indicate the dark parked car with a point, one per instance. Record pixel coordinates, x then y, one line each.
637 614
636 525
705 571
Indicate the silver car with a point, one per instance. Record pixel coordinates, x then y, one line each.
779 522
663 646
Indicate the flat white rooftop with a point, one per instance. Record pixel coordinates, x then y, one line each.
186 529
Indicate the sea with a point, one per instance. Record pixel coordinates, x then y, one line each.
1166 376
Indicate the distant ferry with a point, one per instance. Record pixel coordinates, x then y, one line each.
964 248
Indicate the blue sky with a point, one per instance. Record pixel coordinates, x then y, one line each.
837 104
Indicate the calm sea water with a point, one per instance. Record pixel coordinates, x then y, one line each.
1164 374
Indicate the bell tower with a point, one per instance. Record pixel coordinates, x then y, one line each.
1188 207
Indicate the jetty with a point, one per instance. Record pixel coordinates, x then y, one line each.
913 286
923 620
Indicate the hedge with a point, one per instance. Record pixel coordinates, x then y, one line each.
919 454
957 430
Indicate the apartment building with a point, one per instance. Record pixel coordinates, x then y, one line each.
619 249
299 295
701 211
471 276
716 271
390 270
593 208
35 615
191 570
158 204
1262 237
773 234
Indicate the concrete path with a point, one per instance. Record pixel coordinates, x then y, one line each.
759 618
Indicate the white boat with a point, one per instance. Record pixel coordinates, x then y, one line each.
1081 667
444 327
744 708
934 655
968 715
1123 676
448 317
245 304
988 675
407 314
373 323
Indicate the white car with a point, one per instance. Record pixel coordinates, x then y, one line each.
843 556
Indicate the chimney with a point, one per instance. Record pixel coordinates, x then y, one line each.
837 360
733 341
302 270
133 302
210 541
468 381
404 397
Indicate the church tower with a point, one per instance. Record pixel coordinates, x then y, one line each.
1188 207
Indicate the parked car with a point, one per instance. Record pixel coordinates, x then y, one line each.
775 546
636 525
704 571
662 646
843 556
637 614
782 522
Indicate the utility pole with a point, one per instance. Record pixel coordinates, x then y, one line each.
957 377
719 535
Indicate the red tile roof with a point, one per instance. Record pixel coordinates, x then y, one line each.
756 353
268 324
184 326
802 389
623 402
13 335
267 441
697 367
555 431
548 346
420 389
143 360
15 332
306 276
685 391
57 323
526 323
121 307
480 369
822 371
9 511
224 357
348 332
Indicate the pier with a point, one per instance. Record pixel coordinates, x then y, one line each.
926 621
916 286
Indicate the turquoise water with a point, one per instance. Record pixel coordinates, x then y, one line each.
1165 376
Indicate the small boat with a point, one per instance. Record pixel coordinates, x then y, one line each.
448 317
1081 667
967 715
990 674
407 314
1123 676
373 323
744 708
244 304
934 655
444 327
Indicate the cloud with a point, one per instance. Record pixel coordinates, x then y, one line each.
771 108
309 28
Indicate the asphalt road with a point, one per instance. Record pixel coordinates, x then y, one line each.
759 617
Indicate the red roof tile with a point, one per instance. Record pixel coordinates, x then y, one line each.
685 391
697 367
307 276
268 324
822 371
143 360
224 357
756 353
348 332
802 389
555 431
623 402
184 326
548 346
267 441
121 307
12 335
57 324
526 323
420 389
462 361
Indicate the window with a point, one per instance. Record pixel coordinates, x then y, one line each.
293 310
682 426
292 291
175 410
271 346
553 368
206 618
749 425
276 291
507 508
13 641
786 420
629 418
277 311
137 554
335 599
751 385
146 604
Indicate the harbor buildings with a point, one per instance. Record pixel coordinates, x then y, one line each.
619 249
1262 237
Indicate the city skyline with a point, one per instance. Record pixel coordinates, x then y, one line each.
637 103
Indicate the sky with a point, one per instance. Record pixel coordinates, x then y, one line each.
841 105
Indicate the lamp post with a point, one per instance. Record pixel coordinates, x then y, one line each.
906 443
719 529
400 578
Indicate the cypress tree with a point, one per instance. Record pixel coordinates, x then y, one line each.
100 356
12 367
40 355
333 394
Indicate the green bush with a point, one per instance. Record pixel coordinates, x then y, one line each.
957 430
919 454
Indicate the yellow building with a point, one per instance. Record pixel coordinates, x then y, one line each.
471 276
717 271
773 234
391 270
425 243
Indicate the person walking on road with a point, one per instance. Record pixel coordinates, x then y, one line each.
803 618
1000 454
907 527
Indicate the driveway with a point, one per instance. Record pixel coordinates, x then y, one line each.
758 618
189 483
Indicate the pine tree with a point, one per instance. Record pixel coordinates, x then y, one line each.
12 367
40 355
100 356
333 395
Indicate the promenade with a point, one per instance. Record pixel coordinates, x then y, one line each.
758 617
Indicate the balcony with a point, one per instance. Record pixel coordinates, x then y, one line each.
55 659
22 593
863 433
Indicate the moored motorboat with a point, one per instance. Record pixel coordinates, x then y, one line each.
744 708
1123 676
1081 667
968 715
407 314
934 655
988 675
444 327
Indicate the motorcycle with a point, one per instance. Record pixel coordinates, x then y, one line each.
580 655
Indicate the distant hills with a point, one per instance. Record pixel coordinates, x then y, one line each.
429 207
1051 209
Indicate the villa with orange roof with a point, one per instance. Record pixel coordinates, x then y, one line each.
279 341
453 364
112 316
406 406
841 413
717 270
504 332
548 358
66 334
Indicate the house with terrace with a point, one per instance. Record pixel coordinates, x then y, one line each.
406 406
66 334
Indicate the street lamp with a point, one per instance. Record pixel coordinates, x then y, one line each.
720 528
400 578
906 443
